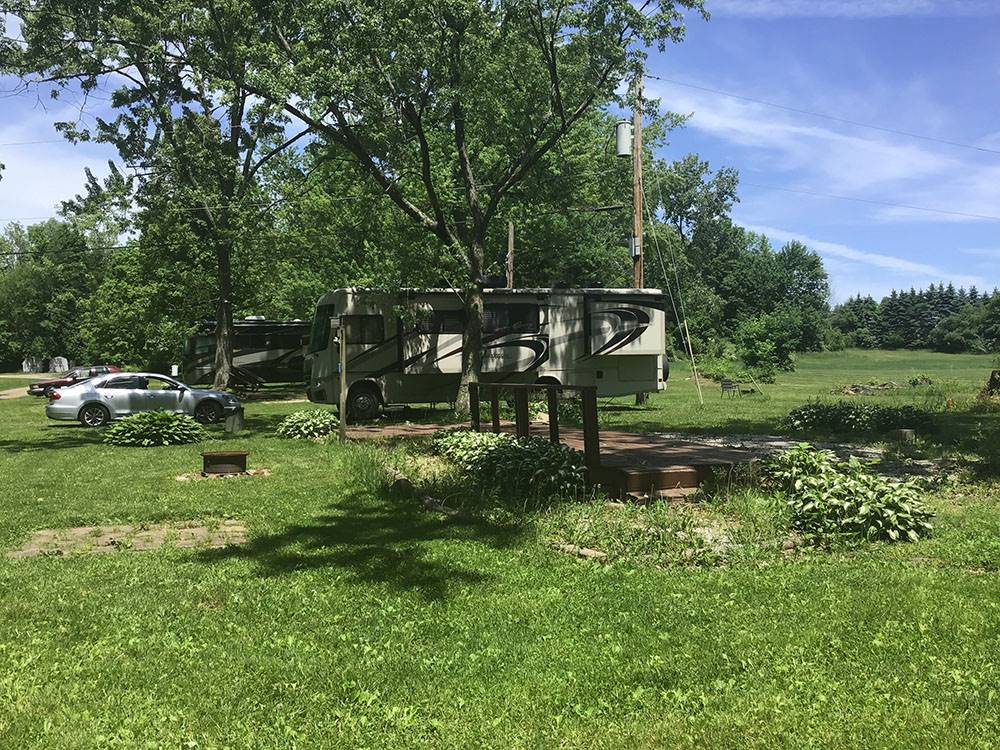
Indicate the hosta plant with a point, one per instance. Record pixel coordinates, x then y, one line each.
856 417
532 466
308 423
151 428
830 498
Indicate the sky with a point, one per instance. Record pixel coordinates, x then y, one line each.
896 69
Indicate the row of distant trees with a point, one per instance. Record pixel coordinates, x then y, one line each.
939 317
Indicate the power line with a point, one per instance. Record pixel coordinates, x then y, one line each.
825 116
984 217
32 143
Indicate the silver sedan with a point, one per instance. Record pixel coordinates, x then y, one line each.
97 401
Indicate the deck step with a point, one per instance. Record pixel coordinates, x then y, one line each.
669 481
678 493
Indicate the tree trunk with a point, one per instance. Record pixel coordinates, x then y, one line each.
472 340
224 321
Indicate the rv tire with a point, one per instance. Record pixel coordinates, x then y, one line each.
363 401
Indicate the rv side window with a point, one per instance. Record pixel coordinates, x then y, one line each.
511 318
442 321
320 337
364 329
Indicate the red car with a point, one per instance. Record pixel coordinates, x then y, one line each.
71 377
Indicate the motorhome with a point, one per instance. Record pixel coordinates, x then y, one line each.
269 350
406 346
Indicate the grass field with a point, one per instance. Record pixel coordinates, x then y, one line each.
353 619
956 376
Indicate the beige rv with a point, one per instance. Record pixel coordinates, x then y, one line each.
406 346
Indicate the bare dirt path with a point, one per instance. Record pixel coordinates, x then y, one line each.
13 393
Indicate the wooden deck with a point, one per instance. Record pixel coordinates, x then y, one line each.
631 463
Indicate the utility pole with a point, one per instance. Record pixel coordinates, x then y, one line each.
637 272
638 280
510 254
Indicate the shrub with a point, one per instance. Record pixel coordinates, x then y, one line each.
843 417
723 369
529 466
569 410
769 342
921 379
149 428
986 443
831 498
308 423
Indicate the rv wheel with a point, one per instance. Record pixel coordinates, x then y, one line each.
363 402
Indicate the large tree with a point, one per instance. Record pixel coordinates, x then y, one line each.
182 112
449 105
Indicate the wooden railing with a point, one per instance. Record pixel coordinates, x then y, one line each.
522 421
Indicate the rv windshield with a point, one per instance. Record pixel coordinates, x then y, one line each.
320 337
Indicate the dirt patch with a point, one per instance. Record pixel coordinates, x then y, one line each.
197 476
131 538
865 389
13 393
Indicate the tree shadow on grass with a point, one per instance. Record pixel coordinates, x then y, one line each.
53 436
378 540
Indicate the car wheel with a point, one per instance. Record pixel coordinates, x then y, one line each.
208 412
363 402
94 415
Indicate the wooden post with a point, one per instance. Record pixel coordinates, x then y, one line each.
474 406
342 368
510 254
495 408
521 412
553 395
591 435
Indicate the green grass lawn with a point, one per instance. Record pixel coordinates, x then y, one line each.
956 376
353 619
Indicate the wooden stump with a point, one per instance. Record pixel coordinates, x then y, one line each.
993 384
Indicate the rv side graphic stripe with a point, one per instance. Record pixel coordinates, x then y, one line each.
539 348
366 352
625 316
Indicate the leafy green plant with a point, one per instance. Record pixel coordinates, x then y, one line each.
843 417
151 428
308 423
920 379
569 410
530 466
830 498
726 369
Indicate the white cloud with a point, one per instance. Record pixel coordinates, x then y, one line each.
908 270
853 8
842 159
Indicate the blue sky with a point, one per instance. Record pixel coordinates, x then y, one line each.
930 67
